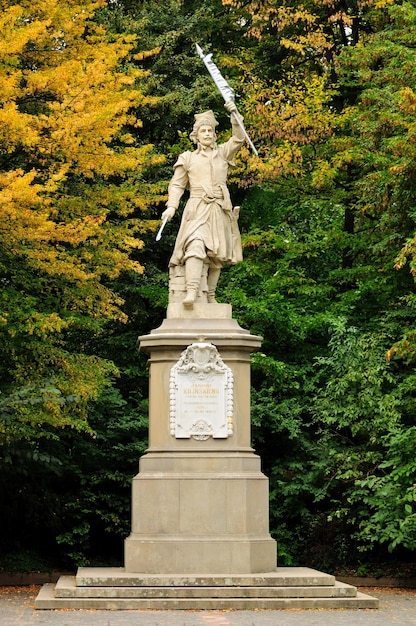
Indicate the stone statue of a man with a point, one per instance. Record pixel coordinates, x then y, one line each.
208 236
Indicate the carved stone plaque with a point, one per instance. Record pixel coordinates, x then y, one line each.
201 394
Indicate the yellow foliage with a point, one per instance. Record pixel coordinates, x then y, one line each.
65 103
72 188
323 174
84 95
42 324
17 188
267 14
286 117
70 154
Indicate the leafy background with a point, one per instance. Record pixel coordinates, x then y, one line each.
97 100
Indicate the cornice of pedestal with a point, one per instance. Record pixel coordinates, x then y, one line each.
179 332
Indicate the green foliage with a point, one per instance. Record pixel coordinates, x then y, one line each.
327 221
98 481
390 495
73 495
362 386
325 397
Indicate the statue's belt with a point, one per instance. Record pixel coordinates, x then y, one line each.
207 196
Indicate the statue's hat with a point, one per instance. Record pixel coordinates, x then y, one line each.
207 117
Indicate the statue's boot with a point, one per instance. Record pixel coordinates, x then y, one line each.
193 272
212 280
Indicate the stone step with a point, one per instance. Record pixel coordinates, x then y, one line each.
66 588
47 600
280 577
285 587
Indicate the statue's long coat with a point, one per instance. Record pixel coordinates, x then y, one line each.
208 214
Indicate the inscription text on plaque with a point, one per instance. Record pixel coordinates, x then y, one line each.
201 394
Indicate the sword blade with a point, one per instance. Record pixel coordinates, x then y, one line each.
224 88
159 234
226 91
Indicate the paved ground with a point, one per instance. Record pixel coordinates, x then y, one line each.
397 608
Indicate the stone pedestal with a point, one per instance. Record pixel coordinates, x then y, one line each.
199 506
200 531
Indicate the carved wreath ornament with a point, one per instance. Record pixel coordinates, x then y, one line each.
201 394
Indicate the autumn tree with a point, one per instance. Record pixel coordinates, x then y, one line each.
72 179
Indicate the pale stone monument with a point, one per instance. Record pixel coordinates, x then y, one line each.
200 511
208 236
206 499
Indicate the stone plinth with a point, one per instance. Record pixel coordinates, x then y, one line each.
200 529
200 514
199 507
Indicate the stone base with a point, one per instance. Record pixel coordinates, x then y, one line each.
176 553
284 588
200 310
200 532
200 513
